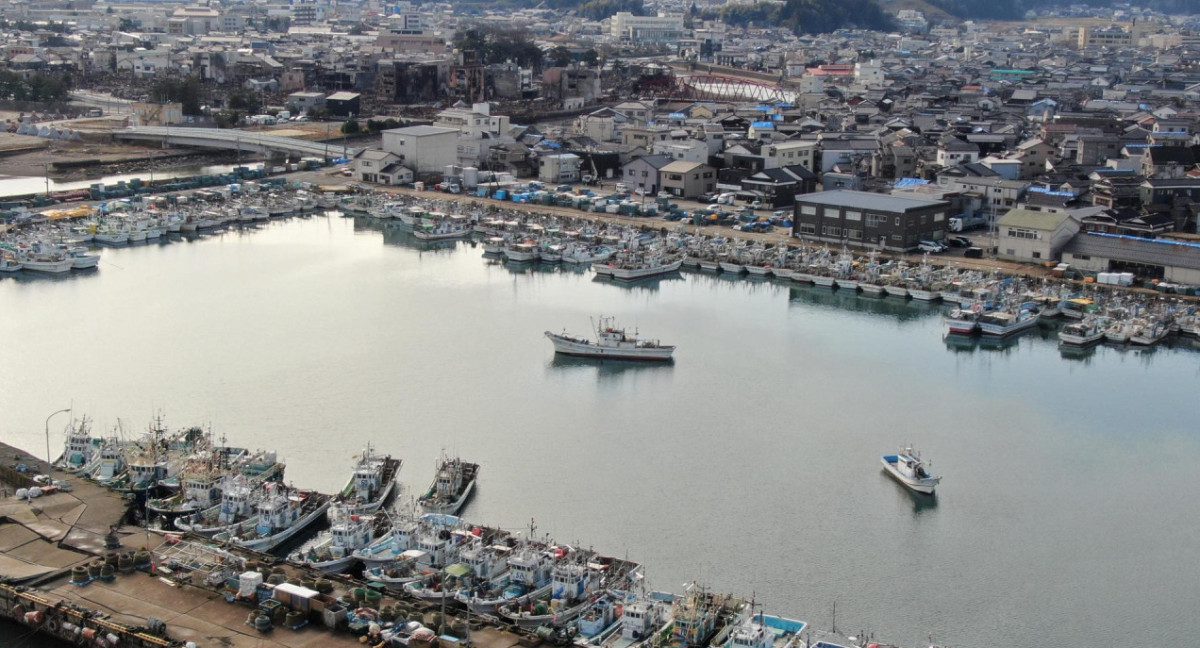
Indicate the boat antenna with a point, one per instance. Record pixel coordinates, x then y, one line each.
835 616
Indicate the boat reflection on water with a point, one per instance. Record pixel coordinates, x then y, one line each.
920 502
890 307
394 234
649 283
607 369
1077 353
959 343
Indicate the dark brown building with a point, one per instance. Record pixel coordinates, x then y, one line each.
869 219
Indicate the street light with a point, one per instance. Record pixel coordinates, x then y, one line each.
48 459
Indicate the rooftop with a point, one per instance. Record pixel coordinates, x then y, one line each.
421 131
867 200
1029 219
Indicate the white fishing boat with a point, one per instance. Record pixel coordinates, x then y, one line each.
1082 333
493 245
527 577
451 487
441 230
636 264
909 469
370 487
332 550
81 259
611 343
279 516
1002 323
1149 331
961 321
44 258
9 264
524 252
239 499
648 615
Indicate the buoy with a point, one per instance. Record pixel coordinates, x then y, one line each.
294 618
262 623
79 574
107 572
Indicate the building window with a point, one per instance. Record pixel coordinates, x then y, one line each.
852 215
939 217
808 210
875 220
1037 255
807 228
855 234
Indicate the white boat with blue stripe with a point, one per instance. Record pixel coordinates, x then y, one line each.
909 469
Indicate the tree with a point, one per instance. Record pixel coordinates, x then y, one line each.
558 57
245 100
351 127
590 57
185 91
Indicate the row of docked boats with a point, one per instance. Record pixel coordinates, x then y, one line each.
188 482
59 246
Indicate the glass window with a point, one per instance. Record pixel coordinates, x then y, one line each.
809 210
852 215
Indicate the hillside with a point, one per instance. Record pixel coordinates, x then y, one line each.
809 16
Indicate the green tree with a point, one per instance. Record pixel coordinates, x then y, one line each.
351 127
245 101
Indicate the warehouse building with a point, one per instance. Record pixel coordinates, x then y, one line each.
1174 261
861 218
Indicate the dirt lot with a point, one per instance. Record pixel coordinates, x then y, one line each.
103 159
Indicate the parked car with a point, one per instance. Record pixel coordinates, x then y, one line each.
931 246
973 253
958 241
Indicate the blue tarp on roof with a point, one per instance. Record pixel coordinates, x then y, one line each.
1050 192
1126 237
764 108
905 183
763 125
679 116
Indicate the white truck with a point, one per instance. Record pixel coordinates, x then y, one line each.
963 222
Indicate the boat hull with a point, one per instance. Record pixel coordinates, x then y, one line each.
579 349
923 486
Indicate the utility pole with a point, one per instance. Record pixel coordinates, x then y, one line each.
49 459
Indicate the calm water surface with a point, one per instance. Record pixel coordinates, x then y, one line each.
1068 514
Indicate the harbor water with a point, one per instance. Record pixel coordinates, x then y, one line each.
1067 515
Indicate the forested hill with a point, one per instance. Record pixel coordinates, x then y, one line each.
809 16
1012 9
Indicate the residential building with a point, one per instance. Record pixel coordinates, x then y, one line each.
689 150
643 173
777 187
687 179
381 167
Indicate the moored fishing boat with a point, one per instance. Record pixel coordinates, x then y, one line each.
452 486
574 583
961 321
371 486
283 513
527 577
1083 333
333 550
634 265
1009 321
611 343
909 469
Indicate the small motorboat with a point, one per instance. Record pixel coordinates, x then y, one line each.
909 469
